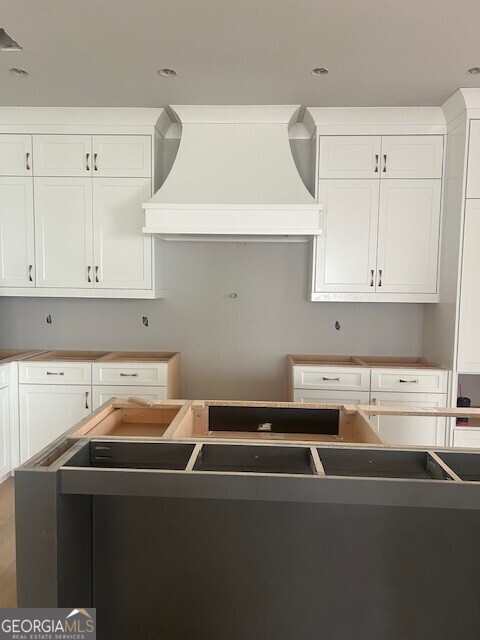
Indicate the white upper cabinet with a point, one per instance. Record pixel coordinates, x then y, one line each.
62 155
408 236
469 328
473 175
122 254
122 156
412 156
17 250
5 436
349 156
346 253
15 155
63 232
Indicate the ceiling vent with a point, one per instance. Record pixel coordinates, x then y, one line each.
7 43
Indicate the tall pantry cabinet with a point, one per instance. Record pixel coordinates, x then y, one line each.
71 195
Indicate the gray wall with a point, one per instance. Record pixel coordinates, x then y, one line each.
231 348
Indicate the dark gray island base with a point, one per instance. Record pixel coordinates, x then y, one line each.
205 540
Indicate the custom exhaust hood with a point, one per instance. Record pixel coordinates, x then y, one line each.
234 177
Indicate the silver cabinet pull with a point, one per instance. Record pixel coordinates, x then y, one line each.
89 277
96 274
129 375
30 272
55 373
86 399
385 163
409 381
372 277
331 379
87 162
95 168
27 160
377 157
380 277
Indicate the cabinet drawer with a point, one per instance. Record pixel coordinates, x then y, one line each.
102 393
343 378
54 373
130 373
409 380
4 375
342 397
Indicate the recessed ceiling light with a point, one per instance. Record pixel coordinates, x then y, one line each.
474 70
320 71
18 72
168 73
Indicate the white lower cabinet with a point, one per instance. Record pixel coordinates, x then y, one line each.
103 394
5 435
343 397
468 437
47 411
406 430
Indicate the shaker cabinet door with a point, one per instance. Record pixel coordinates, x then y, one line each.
63 155
408 236
17 245
15 155
122 253
5 437
63 232
346 253
122 156
412 156
349 156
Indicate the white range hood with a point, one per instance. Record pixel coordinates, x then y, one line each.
234 177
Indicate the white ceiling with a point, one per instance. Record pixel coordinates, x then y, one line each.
107 52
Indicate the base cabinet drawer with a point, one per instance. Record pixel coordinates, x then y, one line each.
344 378
410 430
54 373
342 397
47 411
103 394
130 374
468 437
409 380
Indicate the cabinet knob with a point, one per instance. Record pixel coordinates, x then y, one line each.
87 162
372 277
96 274
409 381
27 161
30 272
86 400
95 155
89 278
377 157
385 163
380 277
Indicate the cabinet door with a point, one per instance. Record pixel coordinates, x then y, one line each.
473 174
349 156
15 155
408 236
17 250
343 397
63 155
469 327
122 253
412 156
103 394
346 253
5 441
424 431
122 156
47 411
63 232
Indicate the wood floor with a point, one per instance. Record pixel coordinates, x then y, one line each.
8 594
